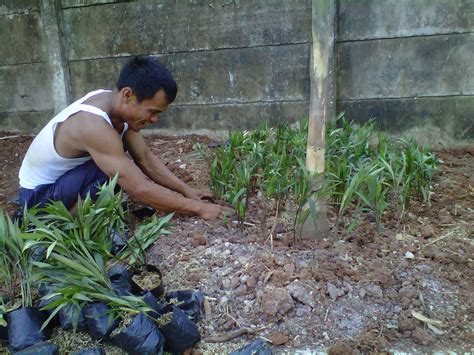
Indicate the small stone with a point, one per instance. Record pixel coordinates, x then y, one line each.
375 291
362 293
241 290
278 339
198 239
409 292
303 311
251 281
427 231
409 255
416 303
235 282
422 337
275 301
347 286
194 277
226 283
235 239
301 293
333 291
219 262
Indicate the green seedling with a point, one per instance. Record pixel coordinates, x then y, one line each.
364 168
146 234
14 260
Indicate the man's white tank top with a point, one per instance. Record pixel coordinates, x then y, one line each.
42 163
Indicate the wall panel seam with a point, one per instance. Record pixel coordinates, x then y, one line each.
19 64
20 13
235 103
404 98
90 5
189 51
22 112
401 37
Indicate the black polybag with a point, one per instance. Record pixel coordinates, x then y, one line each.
119 241
257 347
121 278
180 333
142 336
3 329
66 318
3 334
38 253
190 301
144 212
153 303
24 328
65 314
46 289
100 321
89 351
44 348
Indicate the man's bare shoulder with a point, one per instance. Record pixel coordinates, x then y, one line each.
84 129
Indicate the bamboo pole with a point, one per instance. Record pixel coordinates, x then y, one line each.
322 28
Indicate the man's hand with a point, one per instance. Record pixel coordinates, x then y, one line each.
211 211
197 194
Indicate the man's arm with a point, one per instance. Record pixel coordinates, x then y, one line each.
106 149
151 165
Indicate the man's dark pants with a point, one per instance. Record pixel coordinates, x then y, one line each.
83 179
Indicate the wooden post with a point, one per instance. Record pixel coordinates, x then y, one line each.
323 17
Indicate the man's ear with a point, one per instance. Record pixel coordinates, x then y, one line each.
127 95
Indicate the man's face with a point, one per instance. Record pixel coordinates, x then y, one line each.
146 112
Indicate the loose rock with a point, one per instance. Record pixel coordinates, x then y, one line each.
301 293
333 291
275 301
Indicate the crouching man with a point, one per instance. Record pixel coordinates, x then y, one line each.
86 144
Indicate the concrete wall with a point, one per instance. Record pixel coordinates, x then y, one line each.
26 100
408 64
240 62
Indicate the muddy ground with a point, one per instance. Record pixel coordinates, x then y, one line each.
350 292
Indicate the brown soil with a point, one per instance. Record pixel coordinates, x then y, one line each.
352 290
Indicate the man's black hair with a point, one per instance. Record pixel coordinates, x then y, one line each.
146 76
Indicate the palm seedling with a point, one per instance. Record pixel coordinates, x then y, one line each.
420 166
77 273
372 192
146 234
14 260
239 189
277 183
94 221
